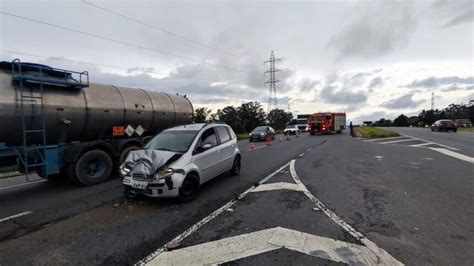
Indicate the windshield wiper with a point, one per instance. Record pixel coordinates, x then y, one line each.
164 149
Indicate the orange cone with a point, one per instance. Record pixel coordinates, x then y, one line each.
252 146
269 142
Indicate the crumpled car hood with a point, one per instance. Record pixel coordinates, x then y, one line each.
149 161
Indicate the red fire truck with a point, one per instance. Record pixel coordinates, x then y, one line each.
326 123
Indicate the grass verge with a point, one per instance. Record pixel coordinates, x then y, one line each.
374 132
467 129
8 169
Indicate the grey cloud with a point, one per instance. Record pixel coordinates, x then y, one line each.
381 27
376 82
453 13
433 82
307 84
404 101
334 94
134 70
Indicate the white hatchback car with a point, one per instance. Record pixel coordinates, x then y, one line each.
180 159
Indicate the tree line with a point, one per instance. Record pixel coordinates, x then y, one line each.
244 118
428 117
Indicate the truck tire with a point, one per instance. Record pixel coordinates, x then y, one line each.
124 153
92 167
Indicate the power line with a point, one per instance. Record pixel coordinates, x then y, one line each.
157 28
118 41
111 66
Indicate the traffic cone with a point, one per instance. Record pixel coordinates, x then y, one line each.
252 146
269 142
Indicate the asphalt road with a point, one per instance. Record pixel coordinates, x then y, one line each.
463 141
325 200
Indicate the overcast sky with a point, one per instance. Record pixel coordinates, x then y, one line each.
371 59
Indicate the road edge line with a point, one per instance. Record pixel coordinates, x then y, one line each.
379 252
210 217
15 216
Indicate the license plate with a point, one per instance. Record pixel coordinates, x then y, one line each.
139 185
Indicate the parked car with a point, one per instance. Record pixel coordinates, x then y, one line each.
262 133
291 130
444 124
177 161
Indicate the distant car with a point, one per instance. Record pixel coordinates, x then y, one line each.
444 124
262 133
176 162
291 130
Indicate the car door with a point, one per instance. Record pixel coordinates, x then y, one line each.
207 161
227 147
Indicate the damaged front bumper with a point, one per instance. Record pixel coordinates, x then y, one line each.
162 188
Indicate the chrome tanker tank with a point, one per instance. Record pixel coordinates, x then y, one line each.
81 114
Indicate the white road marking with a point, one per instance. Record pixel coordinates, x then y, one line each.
301 155
245 245
456 155
208 218
439 144
378 157
396 141
15 216
370 140
421 144
258 147
427 158
277 186
309 149
24 184
382 254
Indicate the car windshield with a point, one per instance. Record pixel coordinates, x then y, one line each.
259 129
174 140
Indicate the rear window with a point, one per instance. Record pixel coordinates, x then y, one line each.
223 134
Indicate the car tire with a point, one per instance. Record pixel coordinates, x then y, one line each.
130 193
189 189
91 168
455 130
432 130
235 170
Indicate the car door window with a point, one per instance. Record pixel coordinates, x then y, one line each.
207 137
223 134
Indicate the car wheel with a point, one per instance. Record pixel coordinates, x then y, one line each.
432 129
189 189
455 130
130 193
235 166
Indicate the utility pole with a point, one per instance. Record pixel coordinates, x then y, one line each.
272 95
432 101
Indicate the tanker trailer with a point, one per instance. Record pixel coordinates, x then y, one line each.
56 123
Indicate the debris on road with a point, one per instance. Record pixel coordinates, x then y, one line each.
173 245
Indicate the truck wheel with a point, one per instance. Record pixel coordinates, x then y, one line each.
189 189
93 167
124 153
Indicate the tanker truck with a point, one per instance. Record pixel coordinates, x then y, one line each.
57 124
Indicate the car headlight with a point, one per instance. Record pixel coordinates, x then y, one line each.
164 173
262 134
124 170
250 134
